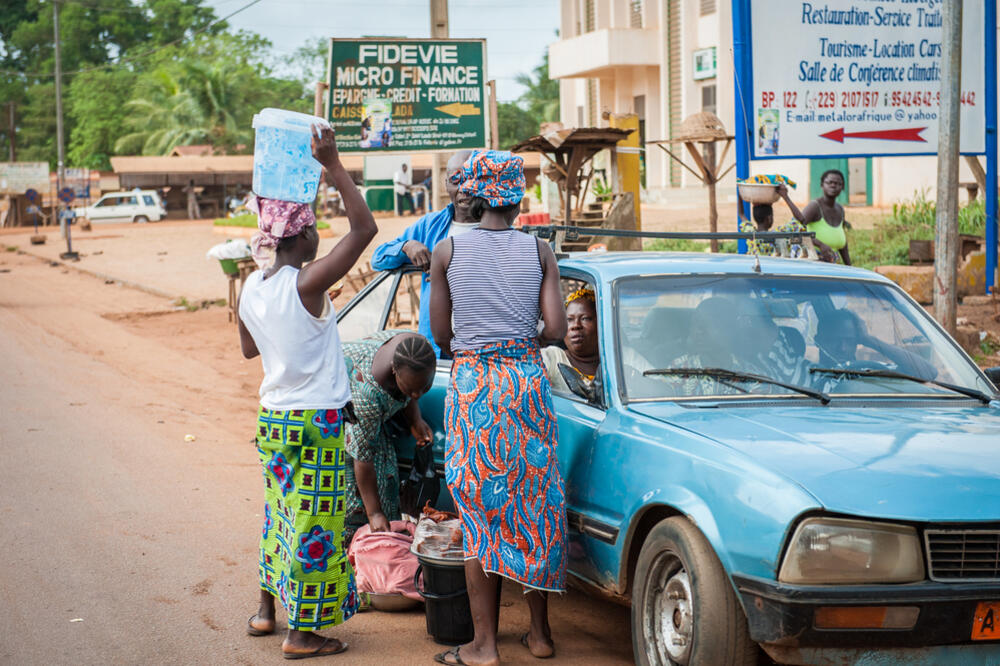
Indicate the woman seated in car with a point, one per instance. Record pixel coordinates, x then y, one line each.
581 353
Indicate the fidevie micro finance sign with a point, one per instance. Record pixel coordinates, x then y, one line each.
407 95
837 77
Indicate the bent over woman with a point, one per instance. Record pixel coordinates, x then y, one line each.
286 317
489 287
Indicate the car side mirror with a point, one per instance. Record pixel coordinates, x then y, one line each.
588 390
994 375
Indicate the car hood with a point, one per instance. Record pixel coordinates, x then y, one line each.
934 463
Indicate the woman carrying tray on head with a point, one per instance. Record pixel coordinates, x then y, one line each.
286 317
490 285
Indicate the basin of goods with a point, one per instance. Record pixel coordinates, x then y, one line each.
283 165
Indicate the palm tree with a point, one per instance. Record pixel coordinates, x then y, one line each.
164 116
217 91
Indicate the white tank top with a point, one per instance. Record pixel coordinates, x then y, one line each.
301 354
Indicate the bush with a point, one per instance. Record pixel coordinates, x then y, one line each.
250 221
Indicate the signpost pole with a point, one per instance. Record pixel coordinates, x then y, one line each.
991 144
439 30
494 130
946 236
741 61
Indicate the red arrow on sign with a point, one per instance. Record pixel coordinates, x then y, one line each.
912 134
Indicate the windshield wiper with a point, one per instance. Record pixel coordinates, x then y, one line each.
733 375
892 374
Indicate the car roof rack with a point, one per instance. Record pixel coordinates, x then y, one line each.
549 232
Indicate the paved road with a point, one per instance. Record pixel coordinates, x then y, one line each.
123 543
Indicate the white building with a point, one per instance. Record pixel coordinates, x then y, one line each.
666 59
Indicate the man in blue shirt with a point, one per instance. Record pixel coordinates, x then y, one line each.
415 245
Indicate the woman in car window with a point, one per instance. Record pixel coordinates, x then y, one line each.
489 287
581 352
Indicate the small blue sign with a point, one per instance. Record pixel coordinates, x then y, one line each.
66 194
32 195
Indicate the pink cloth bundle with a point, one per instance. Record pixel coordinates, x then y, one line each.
382 561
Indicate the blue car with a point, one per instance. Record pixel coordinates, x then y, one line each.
777 454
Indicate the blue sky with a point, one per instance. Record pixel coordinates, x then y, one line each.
517 32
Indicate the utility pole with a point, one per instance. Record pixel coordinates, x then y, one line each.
61 169
439 30
946 236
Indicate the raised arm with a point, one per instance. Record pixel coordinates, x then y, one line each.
316 278
796 213
441 297
550 298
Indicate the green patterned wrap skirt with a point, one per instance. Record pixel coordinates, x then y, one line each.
302 559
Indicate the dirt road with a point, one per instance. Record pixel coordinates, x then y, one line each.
124 543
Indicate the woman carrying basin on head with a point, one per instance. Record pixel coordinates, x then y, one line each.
489 287
286 317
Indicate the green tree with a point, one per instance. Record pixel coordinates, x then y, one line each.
164 115
95 104
538 103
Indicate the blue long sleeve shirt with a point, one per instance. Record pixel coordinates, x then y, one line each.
430 230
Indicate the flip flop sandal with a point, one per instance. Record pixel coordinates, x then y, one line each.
318 652
442 658
524 642
254 631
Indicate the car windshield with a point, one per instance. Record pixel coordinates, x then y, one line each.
710 336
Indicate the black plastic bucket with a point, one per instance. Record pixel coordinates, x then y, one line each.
446 600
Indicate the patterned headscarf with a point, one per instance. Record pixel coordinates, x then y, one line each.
494 175
276 219
586 294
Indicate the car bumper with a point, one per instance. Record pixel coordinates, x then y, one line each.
783 616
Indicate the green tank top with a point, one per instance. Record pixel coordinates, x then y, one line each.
834 237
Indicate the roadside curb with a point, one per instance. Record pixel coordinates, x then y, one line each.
103 276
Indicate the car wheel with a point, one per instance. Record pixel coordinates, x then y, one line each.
141 219
684 609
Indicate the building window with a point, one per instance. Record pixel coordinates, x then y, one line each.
589 16
708 98
707 7
635 13
579 116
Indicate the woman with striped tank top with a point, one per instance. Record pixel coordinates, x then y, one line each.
488 288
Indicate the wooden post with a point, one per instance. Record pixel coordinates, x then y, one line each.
713 211
946 237
977 172
494 129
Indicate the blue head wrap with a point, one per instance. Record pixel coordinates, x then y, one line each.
494 175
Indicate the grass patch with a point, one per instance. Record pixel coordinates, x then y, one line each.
888 243
250 222
183 302
12 248
687 245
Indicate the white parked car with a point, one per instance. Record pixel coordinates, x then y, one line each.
133 206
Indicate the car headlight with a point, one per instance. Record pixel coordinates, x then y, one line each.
827 551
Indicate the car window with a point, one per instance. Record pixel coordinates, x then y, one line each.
784 328
404 312
364 314
130 201
148 200
107 201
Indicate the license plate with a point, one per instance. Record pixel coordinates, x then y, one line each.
986 621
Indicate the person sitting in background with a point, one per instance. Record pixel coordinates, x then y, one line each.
388 371
763 215
581 352
415 244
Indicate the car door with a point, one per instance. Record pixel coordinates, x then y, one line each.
579 423
105 209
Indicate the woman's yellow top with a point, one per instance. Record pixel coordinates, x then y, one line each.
832 236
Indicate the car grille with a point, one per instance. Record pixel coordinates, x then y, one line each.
963 555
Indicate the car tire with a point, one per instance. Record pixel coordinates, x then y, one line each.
141 219
684 609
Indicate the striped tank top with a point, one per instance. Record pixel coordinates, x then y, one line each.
494 278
